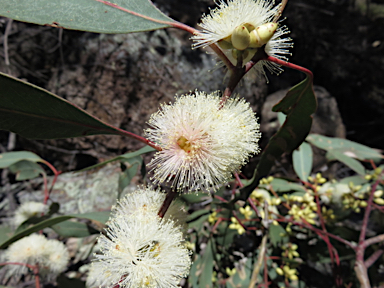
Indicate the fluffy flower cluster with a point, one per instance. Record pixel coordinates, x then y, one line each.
28 210
245 25
203 139
51 255
139 249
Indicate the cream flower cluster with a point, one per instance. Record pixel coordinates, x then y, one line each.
139 249
203 139
28 210
241 27
51 255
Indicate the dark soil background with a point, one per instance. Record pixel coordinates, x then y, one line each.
122 78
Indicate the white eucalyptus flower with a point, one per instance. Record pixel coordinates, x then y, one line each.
28 210
140 250
149 200
51 255
203 139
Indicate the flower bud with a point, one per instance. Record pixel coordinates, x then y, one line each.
262 34
240 38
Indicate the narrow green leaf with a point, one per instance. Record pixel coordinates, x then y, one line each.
73 229
95 216
302 161
9 158
282 185
207 267
145 149
347 147
35 113
130 171
87 15
299 104
65 282
5 233
348 161
26 170
194 272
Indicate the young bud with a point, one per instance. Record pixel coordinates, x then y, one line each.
240 38
262 34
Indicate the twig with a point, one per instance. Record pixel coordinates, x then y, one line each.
259 262
5 43
373 240
372 259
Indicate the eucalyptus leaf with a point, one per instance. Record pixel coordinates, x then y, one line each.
73 229
65 282
26 170
275 235
126 156
101 217
347 147
302 161
9 158
88 15
35 113
299 104
129 172
348 161
282 185
207 266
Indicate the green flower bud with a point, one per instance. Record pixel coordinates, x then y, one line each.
240 38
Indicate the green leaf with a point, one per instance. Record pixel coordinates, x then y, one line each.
9 158
26 170
127 156
302 161
74 229
130 171
194 272
347 147
5 233
299 104
275 232
198 222
95 216
282 185
348 161
35 113
65 282
206 267
88 15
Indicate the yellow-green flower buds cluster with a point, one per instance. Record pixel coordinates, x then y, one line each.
328 214
287 272
377 197
212 218
376 173
319 179
235 225
302 213
289 250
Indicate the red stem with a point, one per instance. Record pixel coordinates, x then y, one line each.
290 65
167 202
